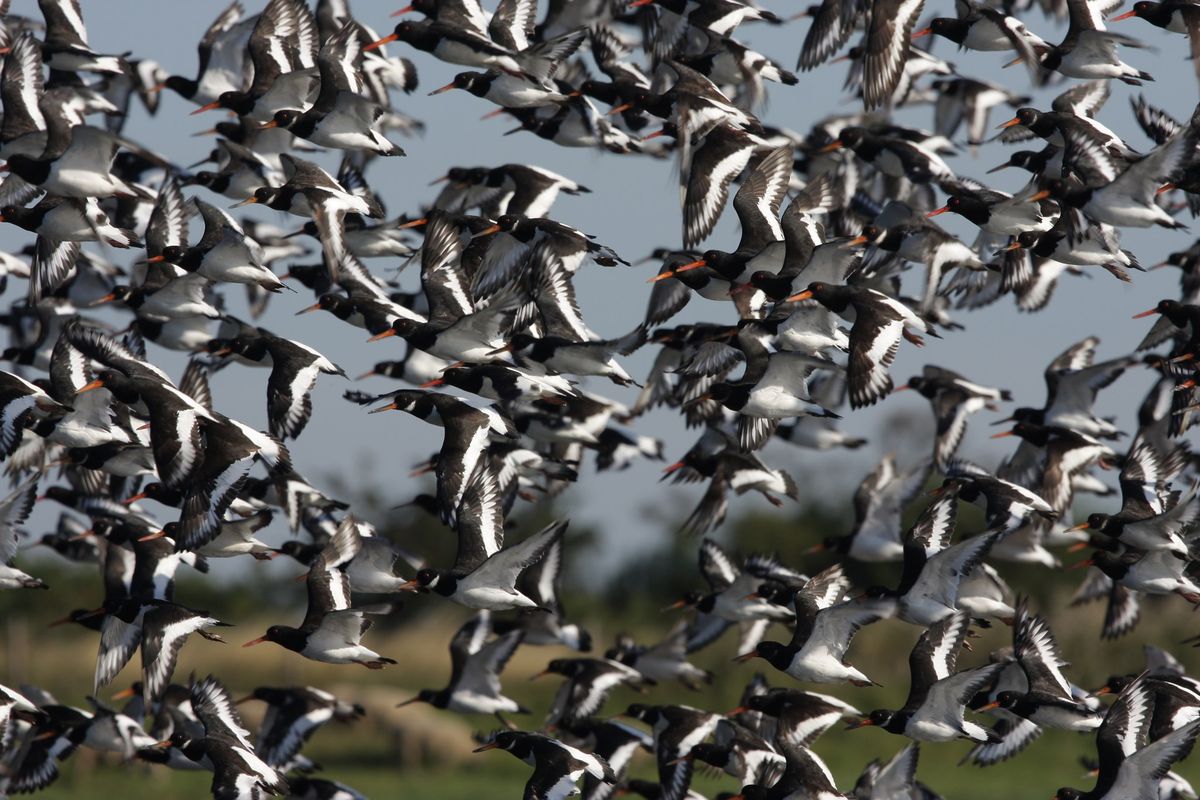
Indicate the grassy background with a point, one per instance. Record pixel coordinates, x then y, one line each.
423 752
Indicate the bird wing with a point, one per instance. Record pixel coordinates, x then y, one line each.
758 200
503 568
1036 648
480 521
214 707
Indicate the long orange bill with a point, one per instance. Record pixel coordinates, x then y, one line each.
493 114
442 89
1002 434
309 309
402 11
108 298
744 657
922 33
152 536
617 109
1145 313
1087 563
1166 187
382 335
862 723
1012 123
367 374
989 706
736 711
416 223
96 384
938 211
836 144
432 383
1126 15
391 37
266 126
655 135
253 642
796 298
408 702
410 586
1042 195
1083 526
488 231
213 106
124 694
388 407
1075 548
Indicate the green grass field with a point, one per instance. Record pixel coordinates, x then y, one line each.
419 752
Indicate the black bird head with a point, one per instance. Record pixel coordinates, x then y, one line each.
879 718
515 742
291 638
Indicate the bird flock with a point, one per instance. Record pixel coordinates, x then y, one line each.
494 349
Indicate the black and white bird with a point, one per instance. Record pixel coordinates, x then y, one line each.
475 667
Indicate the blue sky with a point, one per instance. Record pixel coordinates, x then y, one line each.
634 208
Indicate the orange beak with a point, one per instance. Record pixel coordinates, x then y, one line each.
442 89
391 37
922 33
989 706
124 694
796 298
213 106
744 657
862 723
96 384
1042 195
253 642
152 536
432 383
488 231
108 298
402 11
836 144
1001 435
1012 123
1126 15
488 746
1083 526
268 125
156 259
414 223
1087 563
383 335
1166 187
618 109
388 407
410 586
937 211
1075 548
1145 313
